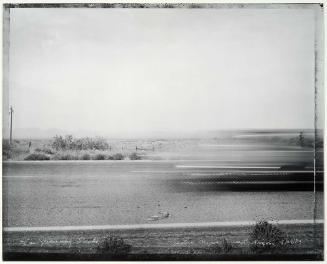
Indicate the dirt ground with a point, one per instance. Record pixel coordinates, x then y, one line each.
305 241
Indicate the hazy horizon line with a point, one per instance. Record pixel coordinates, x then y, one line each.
43 134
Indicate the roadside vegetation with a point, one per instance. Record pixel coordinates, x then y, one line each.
113 246
97 148
303 140
222 247
134 156
64 148
15 150
266 237
262 241
45 150
37 156
61 143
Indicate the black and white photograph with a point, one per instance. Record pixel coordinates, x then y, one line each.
163 131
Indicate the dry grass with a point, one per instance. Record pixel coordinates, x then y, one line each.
112 245
222 247
37 156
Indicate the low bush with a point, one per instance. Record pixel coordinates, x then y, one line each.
70 143
118 156
65 157
266 237
45 150
6 150
13 150
85 157
99 157
134 156
69 157
37 156
6 155
113 246
48 151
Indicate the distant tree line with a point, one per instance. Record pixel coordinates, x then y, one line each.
70 143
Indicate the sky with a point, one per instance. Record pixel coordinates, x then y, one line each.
135 71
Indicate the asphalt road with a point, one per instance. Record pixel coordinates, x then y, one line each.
136 192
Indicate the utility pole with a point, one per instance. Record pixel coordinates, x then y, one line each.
11 112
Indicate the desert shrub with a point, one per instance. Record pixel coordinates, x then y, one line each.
59 143
86 157
6 149
100 144
222 247
70 143
13 150
48 151
6 155
266 237
118 156
45 150
134 156
113 246
65 157
37 156
69 157
99 157
56 157
5 144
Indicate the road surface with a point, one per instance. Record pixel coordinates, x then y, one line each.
90 193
